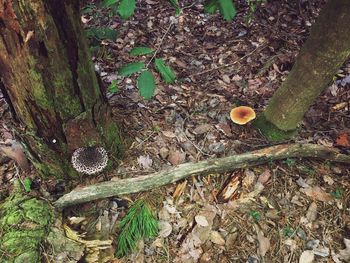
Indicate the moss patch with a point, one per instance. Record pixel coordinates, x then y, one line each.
270 131
24 222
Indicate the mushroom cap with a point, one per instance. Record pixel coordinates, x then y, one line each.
89 160
242 115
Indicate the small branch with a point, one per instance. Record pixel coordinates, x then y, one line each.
230 64
220 165
160 44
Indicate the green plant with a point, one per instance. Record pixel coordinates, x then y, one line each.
124 8
288 231
175 3
145 81
337 193
290 162
139 223
255 215
226 7
252 7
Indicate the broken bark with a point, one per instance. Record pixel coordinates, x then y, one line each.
220 165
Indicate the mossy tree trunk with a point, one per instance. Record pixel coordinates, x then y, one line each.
325 50
49 82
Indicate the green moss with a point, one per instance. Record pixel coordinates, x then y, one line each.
111 135
23 222
38 88
66 102
270 131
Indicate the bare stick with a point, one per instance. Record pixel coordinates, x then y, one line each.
171 175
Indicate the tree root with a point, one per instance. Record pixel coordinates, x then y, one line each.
220 165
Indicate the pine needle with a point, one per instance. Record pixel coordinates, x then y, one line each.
138 223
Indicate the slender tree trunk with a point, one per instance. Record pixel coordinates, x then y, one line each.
48 79
326 49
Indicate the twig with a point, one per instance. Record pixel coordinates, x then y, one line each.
230 64
220 165
160 44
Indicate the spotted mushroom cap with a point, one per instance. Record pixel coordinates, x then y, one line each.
89 160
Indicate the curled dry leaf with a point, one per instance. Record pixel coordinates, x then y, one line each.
317 193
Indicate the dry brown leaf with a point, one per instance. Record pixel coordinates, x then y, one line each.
343 140
264 177
311 213
317 193
169 134
216 238
176 157
264 242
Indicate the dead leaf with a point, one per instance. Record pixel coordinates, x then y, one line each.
345 253
165 228
201 129
145 161
317 193
169 134
176 157
264 177
264 242
216 238
201 220
307 257
343 140
311 213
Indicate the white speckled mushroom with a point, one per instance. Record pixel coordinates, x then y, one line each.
89 160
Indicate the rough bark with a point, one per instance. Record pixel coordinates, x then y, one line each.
49 82
227 164
325 50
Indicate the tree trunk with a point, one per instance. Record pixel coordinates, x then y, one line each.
326 49
48 80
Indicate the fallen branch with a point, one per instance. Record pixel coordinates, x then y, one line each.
171 175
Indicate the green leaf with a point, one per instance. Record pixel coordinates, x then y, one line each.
146 84
211 6
101 33
126 8
131 68
113 87
108 3
139 51
27 184
166 72
227 9
175 4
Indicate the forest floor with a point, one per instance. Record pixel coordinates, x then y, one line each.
302 213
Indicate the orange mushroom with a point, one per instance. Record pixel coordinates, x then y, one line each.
242 115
